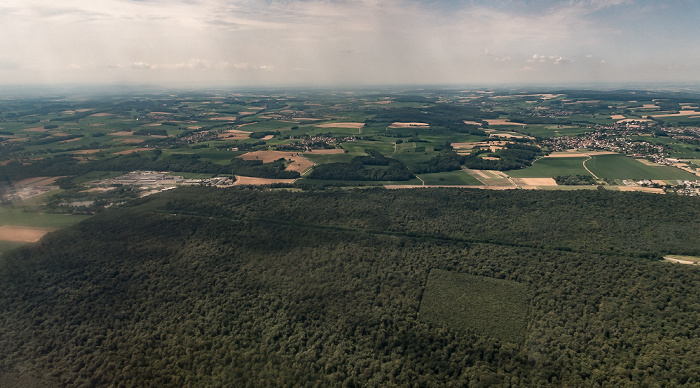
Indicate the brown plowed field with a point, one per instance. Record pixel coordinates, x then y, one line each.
22 233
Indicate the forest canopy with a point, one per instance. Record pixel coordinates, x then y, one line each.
253 287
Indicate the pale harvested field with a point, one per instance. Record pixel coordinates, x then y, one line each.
471 122
224 118
594 153
22 233
491 177
71 140
246 180
268 156
194 127
131 151
341 125
268 137
490 158
326 151
464 146
577 154
399 124
618 117
648 162
479 174
122 133
650 106
132 141
99 189
680 259
298 162
503 122
101 114
658 182
35 129
37 181
681 113
566 154
235 134
535 181
643 189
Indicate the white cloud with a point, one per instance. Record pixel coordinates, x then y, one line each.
553 59
324 41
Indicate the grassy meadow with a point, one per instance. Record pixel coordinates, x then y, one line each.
623 167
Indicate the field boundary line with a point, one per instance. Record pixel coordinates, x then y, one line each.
586 167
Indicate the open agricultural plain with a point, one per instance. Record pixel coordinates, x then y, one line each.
79 154
60 146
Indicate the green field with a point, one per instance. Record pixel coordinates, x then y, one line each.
551 167
485 305
452 178
333 158
360 147
548 130
44 220
623 167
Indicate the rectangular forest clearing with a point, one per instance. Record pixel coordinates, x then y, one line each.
488 306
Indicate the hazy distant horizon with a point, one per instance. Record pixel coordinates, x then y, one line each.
205 43
116 90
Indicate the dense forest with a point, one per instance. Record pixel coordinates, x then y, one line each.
252 287
360 169
510 157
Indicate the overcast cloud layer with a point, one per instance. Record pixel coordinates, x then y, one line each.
361 42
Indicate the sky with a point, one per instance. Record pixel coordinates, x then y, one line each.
347 42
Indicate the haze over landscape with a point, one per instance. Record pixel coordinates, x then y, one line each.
202 43
349 193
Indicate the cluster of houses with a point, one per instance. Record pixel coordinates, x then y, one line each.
315 142
690 188
602 141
